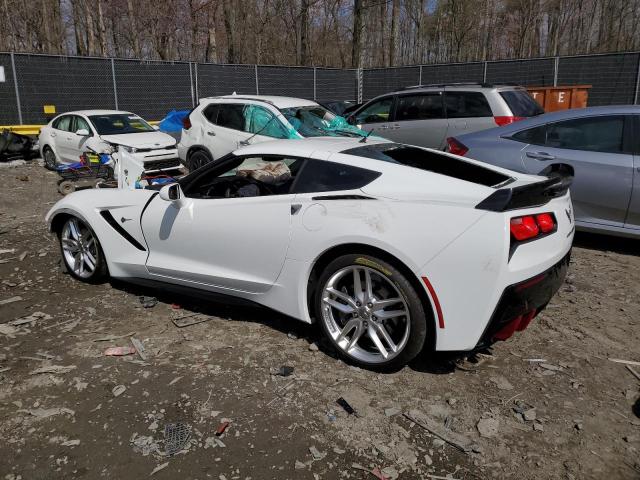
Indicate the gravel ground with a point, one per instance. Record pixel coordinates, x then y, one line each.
549 403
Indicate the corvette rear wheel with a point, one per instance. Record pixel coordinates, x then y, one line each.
370 312
81 251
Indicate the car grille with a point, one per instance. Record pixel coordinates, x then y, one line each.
161 164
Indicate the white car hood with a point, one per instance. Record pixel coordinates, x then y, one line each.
152 140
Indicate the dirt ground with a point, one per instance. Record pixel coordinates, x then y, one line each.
548 404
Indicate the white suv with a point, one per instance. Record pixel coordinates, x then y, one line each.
220 125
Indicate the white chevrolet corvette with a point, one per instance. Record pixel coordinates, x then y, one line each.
392 248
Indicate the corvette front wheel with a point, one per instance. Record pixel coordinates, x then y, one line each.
370 312
81 252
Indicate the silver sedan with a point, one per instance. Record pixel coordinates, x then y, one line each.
602 144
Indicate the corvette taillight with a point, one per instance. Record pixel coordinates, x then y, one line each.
532 226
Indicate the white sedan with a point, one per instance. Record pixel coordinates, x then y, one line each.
392 248
71 134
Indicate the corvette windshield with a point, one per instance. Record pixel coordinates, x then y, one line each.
117 124
317 121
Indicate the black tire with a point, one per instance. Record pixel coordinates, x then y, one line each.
100 272
50 160
418 316
198 159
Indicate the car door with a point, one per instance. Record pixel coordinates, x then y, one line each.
219 242
633 215
233 125
419 120
597 148
467 112
59 137
376 116
77 143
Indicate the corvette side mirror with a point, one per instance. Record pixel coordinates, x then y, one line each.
171 193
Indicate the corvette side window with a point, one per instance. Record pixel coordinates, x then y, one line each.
247 177
323 176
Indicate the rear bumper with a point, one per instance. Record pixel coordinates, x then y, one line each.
522 301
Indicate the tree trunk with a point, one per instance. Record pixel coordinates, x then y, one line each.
133 28
393 34
304 32
229 26
356 47
102 31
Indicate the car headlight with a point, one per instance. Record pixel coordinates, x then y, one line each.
129 149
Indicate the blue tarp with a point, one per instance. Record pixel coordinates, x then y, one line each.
173 121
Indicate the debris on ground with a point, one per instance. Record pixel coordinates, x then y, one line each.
119 351
118 390
55 369
148 302
188 320
283 371
137 345
158 468
176 436
6 301
48 412
222 428
346 407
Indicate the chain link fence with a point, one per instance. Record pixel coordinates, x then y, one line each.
153 88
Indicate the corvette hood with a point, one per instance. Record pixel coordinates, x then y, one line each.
151 140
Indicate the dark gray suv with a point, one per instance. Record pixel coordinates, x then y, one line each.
425 115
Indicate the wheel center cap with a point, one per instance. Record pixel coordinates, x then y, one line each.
364 312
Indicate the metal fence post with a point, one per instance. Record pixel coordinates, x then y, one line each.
193 101
197 97
15 86
113 78
635 95
359 84
556 64
484 72
257 87
420 77
314 83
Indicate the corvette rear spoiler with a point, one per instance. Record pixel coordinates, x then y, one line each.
559 178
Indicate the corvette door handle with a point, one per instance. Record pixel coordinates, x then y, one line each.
52 134
541 155
211 134
295 208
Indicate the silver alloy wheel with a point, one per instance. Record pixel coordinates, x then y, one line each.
365 314
79 247
49 158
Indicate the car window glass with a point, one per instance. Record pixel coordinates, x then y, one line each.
261 121
211 113
119 124
419 107
247 177
63 123
467 105
81 124
376 112
323 176
231 115
521 103
534 136
595 134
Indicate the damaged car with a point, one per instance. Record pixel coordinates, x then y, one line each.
65 139
220 125
391 248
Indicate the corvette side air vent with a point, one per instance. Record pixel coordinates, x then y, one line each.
106 214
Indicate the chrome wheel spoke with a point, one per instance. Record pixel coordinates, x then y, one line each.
358 293
89 260
386 314
74 229
377 342
70 245
382 332
351 325
369 297
340 306
343 296
382 304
